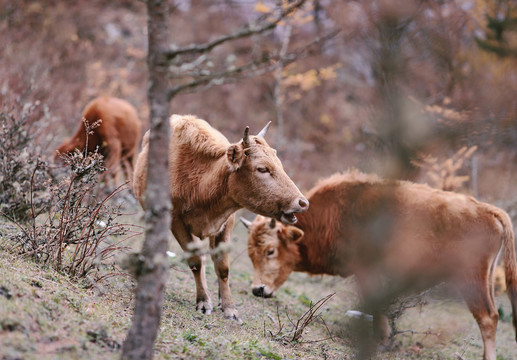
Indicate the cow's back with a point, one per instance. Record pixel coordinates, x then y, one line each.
194 146
194 150
196 135
405 228
119 120
396 224
443 231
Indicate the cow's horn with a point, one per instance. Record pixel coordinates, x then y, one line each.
272 224
246 138
246 222
263 132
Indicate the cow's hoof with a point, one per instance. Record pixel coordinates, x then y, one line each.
231 313
204 307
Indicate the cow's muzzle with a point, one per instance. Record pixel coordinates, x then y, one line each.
262 291
299 205
304 204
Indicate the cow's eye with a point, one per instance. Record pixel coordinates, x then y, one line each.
263 170
270 252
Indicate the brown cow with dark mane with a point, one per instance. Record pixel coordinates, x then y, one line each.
116 138
210 179
410 233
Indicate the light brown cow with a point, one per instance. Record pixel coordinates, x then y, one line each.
210 179
116 137
414 235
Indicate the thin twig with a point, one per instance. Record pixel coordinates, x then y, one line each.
33 213
62 222
414 332
16 223
251 69
249 30
295 334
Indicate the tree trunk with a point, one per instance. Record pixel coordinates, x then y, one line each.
151 272
279 93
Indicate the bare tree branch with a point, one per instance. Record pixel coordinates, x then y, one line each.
253 68
249 30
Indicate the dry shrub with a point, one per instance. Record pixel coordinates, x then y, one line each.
22 170
66 223
392 299
399 307
293 334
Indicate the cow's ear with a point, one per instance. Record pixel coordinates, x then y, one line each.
235 155
292 233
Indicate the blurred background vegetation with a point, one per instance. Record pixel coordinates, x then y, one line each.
401 82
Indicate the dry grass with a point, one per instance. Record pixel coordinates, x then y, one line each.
44 315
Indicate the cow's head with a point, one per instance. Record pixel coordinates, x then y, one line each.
258 181
273 250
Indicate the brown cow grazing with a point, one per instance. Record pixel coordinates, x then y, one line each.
210 179
410 233
116 138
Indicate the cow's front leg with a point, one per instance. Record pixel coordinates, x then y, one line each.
196 264
222 269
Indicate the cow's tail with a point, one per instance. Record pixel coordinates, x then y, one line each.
510 264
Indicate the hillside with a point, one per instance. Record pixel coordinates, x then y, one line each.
45 315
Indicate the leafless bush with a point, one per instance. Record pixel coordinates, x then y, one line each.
399 307
68 225
294 333
22 169
77 233
392 300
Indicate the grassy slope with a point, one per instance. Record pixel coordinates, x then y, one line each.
49 316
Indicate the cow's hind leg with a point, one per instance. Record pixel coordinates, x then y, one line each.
482 306
222 268
127 170
127 163
196 264
112 160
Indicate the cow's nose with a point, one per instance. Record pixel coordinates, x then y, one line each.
304 204
258 291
